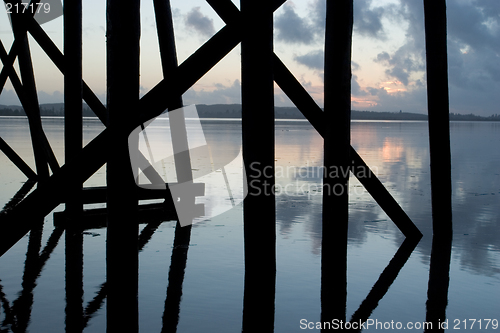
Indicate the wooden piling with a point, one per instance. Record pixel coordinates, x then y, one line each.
123 33
257 97
439 119
73 122
338 42
440 157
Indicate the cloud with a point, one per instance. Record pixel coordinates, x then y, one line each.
409 59
317 14
200 23
291 28
368 21
313 60
355 88
473 58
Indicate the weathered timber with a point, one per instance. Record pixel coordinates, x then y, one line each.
438 112
122 262
92 195
97 218
440 157
73 120
337 137
17 160
259 211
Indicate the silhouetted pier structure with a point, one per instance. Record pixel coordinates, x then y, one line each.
261 67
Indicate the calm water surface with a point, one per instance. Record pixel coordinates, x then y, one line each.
213 286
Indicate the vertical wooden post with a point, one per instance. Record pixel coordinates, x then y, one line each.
440 157
438 109
258 155
123 33
338 42
73 136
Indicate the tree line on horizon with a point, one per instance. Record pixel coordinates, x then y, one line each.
234 111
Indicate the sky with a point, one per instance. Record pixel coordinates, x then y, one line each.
388 53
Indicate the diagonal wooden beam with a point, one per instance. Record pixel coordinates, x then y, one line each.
17 160
27 105
17 42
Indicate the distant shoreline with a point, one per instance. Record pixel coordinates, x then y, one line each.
234 111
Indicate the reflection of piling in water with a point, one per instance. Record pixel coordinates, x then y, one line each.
338 42
74 277
257 97
23 305
20 313
176 278
384 281
439 143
